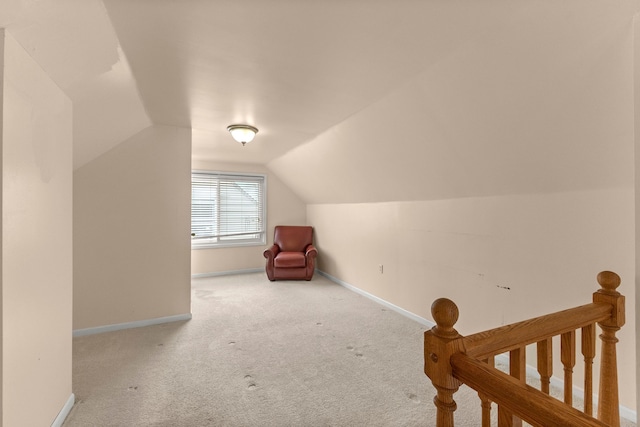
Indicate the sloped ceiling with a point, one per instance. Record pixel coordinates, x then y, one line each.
356 101
292 68
74 42
541 103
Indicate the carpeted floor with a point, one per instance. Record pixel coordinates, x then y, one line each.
260 353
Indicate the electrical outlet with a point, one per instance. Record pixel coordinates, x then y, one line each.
381 268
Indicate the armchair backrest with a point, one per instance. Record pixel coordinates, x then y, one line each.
293 238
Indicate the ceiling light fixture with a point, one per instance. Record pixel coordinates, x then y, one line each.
242 133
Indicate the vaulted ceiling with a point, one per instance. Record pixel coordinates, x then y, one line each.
453 94
292 68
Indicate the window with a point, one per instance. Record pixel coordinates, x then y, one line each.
227 209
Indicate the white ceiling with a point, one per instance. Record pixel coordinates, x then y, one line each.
74 42
291 68
298 70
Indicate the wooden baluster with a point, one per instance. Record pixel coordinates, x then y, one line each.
608 404
505 417
518 364
518 369
588 352
568 359
439 344
485 402
545 363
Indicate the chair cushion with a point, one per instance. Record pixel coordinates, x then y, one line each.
289 260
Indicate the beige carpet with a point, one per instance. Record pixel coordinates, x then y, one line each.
260 353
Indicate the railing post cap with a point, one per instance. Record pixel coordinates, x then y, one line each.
445 313
608 280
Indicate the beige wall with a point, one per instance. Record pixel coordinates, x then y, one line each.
636 52
547 249
36 242
131 231
507 163
283 207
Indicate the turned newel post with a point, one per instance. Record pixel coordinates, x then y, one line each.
439 344
608 405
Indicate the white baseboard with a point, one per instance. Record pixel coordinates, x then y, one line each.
227 273
625 412
64 412
628 414
129 325
387 304
578 392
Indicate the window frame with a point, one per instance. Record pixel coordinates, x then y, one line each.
214 242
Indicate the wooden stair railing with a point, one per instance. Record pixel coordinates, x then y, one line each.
452 360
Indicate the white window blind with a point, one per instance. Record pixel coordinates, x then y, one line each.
227 209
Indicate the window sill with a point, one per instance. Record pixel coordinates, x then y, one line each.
226 245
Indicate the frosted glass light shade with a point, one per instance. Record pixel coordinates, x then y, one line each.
242 133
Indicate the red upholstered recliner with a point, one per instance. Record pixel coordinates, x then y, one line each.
292 255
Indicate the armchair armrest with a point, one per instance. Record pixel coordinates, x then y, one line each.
271 252
310 251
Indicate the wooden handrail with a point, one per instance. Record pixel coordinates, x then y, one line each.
531 405
451 360
506 338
